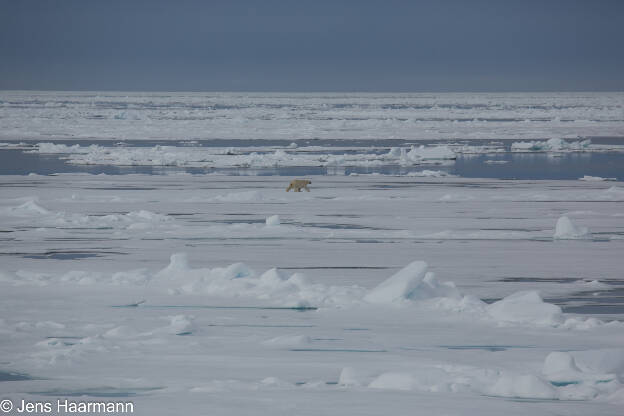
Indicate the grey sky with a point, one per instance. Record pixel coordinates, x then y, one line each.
269 45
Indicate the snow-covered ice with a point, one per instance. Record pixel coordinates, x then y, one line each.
423 294
199 156
273 220
589 178
567 230
31 115
552 145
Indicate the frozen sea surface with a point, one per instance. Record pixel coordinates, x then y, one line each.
457 254
43 116
367 295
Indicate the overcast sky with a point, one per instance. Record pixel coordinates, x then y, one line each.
290 45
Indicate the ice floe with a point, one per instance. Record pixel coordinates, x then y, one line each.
420 153
199 156
551 145
588 178
413 282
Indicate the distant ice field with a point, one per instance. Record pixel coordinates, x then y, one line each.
42 116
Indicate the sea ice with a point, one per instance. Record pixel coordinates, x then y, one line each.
288 341
526 386
350 377
273 220
551 145
411 286
560 366
430 174
211 326
588 178
413 282
526 307
29 208
394 381
287 117
181 324
585 375
420 153
567 230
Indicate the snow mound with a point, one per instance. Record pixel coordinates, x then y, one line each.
180 325
559 363
411 283
526 386
177 273
27 209
585 375
350 377
526 307
566 230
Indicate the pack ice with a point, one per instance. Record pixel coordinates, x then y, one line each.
423 295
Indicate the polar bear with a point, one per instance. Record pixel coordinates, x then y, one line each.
297 184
